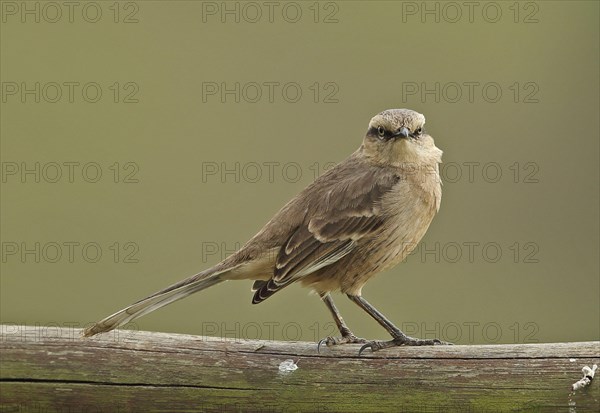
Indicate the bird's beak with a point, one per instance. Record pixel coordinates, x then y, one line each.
403 132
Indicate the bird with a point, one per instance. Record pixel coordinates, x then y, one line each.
359 218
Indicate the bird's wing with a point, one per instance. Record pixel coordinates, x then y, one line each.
343 212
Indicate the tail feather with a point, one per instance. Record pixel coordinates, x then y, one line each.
170 294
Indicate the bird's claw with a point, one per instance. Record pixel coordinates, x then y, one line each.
334 341
402 341
373 345
322 341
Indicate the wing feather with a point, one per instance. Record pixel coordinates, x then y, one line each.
341 211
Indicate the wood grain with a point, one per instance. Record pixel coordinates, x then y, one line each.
55 370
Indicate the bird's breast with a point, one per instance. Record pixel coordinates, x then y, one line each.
408 209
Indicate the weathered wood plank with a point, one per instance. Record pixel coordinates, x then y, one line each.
53 369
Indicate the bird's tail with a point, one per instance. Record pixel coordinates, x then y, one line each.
172 293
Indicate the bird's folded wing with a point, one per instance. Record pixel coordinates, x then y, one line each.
320 243
345 214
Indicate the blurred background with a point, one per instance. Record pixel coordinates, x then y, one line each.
143 142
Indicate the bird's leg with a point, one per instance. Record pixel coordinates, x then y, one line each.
399 338
347 335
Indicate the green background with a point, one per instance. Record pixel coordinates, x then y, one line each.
371 54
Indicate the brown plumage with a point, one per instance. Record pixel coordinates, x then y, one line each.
359 218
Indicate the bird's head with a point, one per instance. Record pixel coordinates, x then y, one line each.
396 136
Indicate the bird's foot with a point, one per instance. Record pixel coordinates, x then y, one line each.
335 341
402 341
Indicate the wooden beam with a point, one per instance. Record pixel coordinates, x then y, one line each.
55 370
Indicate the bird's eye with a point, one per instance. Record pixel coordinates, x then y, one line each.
418 131
381 131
